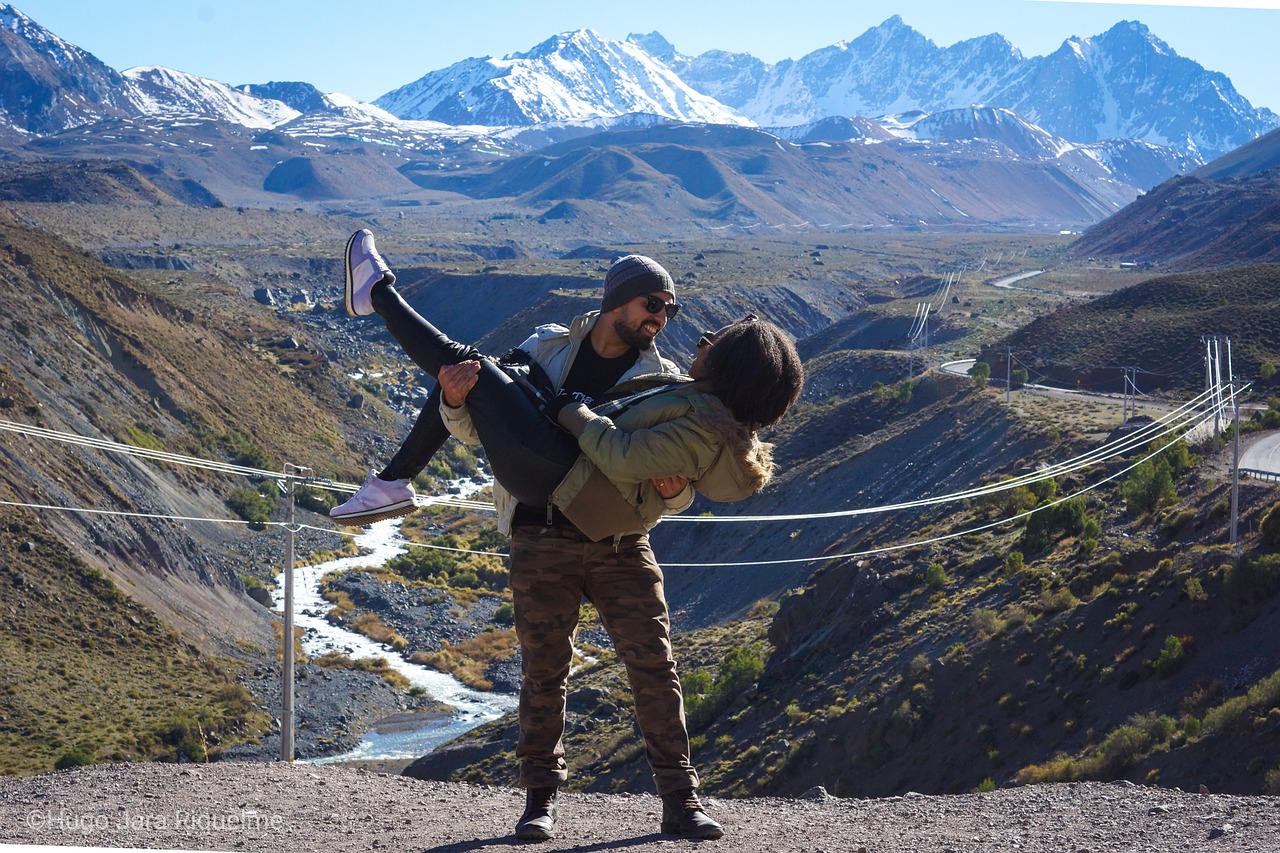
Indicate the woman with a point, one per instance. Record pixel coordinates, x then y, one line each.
597 467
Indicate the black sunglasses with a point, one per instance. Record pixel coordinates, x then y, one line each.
709 338
656 305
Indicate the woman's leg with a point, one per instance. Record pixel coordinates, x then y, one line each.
528 454
427 436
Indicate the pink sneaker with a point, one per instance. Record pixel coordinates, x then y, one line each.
376 500
365 268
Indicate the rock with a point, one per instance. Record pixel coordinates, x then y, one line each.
817 792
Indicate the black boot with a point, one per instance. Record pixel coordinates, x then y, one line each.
538 823
682 814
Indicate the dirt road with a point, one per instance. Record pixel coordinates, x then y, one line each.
276 807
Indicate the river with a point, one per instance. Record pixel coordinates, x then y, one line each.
378 544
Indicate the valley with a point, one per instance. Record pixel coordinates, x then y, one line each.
850 301
957 582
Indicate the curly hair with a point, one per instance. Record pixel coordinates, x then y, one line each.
755 371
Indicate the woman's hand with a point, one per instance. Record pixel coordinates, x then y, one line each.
669 487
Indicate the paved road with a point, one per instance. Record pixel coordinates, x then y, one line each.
1262 454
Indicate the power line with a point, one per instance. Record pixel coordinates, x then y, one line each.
1177 420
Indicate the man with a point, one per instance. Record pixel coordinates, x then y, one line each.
553 565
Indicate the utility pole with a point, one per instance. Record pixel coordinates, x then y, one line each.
1235 469
287 676
1008 373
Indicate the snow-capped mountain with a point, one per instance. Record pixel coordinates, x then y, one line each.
163 91
1123 83
572 76
51 85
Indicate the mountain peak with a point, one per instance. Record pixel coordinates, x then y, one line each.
572 76
654 44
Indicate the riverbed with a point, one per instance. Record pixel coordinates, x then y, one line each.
378 544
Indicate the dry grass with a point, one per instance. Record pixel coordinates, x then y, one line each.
470 659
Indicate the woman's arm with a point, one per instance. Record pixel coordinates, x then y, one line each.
679 447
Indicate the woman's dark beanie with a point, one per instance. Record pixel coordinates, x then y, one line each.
632 276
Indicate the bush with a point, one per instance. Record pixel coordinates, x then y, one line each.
1014 563
981 373
316 500
935 576
1195 590
739 669
1270 526
1049 525
74 757
1254 578
1171 657
252 504
1148 485
986 622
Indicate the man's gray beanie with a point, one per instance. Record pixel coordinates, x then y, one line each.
632 276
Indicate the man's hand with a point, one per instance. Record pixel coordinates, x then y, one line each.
669 487
456 382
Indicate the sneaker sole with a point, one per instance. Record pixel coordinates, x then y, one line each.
350 285
363 519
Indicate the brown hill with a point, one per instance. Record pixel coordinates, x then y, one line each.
1226 213
80 182
1156 326
748 177
121 625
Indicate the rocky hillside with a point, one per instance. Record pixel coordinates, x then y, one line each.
1086 345
151 619
1224 214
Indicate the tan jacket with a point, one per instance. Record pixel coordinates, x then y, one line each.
683 431
554 347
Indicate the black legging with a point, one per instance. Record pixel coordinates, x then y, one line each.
528 454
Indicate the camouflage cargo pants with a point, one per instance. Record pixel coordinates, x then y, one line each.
552 570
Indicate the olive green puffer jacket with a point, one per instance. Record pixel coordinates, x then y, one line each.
683 431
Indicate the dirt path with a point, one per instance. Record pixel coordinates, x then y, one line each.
275 807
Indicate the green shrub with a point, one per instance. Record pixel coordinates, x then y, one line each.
1195 590
981 373
1014 563
986 622
1171 657
1049 525
1270 526
505 614
73 757
935 576
1056 601
316 500
1254 578
1149 485
243 451
252 504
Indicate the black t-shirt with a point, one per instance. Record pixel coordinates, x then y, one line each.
591 375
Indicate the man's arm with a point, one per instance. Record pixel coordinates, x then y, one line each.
456 382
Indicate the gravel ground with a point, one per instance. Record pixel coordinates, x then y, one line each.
277 807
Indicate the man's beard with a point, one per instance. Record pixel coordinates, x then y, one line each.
632 336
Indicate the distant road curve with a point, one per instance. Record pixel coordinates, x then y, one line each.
1262 454
1009 281
964 365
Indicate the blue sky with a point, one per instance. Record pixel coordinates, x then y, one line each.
367 49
